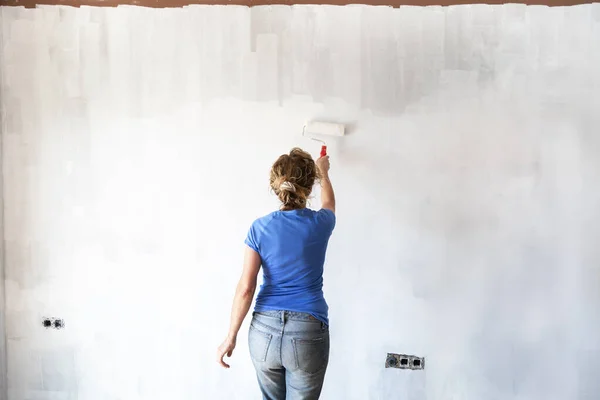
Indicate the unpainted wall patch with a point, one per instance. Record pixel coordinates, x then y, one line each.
252 3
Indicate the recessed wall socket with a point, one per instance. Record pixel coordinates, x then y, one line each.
403 361
55 323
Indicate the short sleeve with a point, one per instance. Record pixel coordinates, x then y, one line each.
251 239
327 218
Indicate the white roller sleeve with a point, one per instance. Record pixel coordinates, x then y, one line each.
324 128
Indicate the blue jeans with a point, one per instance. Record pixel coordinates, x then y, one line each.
290 352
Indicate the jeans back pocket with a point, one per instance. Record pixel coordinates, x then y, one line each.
258 344
312 354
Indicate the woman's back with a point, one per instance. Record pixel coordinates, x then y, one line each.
292 246
288 337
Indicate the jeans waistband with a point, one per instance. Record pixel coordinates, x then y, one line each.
288 315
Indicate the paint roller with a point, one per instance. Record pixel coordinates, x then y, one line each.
322 128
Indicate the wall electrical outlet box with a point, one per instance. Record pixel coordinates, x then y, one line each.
404 361
55 323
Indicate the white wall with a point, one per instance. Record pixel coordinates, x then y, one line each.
137 144
3 377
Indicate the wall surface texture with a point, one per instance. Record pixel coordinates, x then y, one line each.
137 146
3 377
252 3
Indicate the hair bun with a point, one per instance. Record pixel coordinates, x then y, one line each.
287 187
292 178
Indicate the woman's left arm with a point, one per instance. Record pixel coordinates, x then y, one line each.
244 294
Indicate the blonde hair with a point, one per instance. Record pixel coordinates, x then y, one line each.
293 176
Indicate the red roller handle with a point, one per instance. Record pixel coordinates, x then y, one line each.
323 151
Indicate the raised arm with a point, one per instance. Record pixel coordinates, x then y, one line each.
327 195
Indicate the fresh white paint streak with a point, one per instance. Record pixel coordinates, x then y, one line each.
324 128
467 186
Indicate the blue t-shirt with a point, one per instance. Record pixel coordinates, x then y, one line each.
292 246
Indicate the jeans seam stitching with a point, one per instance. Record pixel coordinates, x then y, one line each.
267 348
296 353
267 327
267 336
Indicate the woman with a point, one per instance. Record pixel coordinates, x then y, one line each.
289 333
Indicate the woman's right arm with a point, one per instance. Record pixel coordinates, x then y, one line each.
327 195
